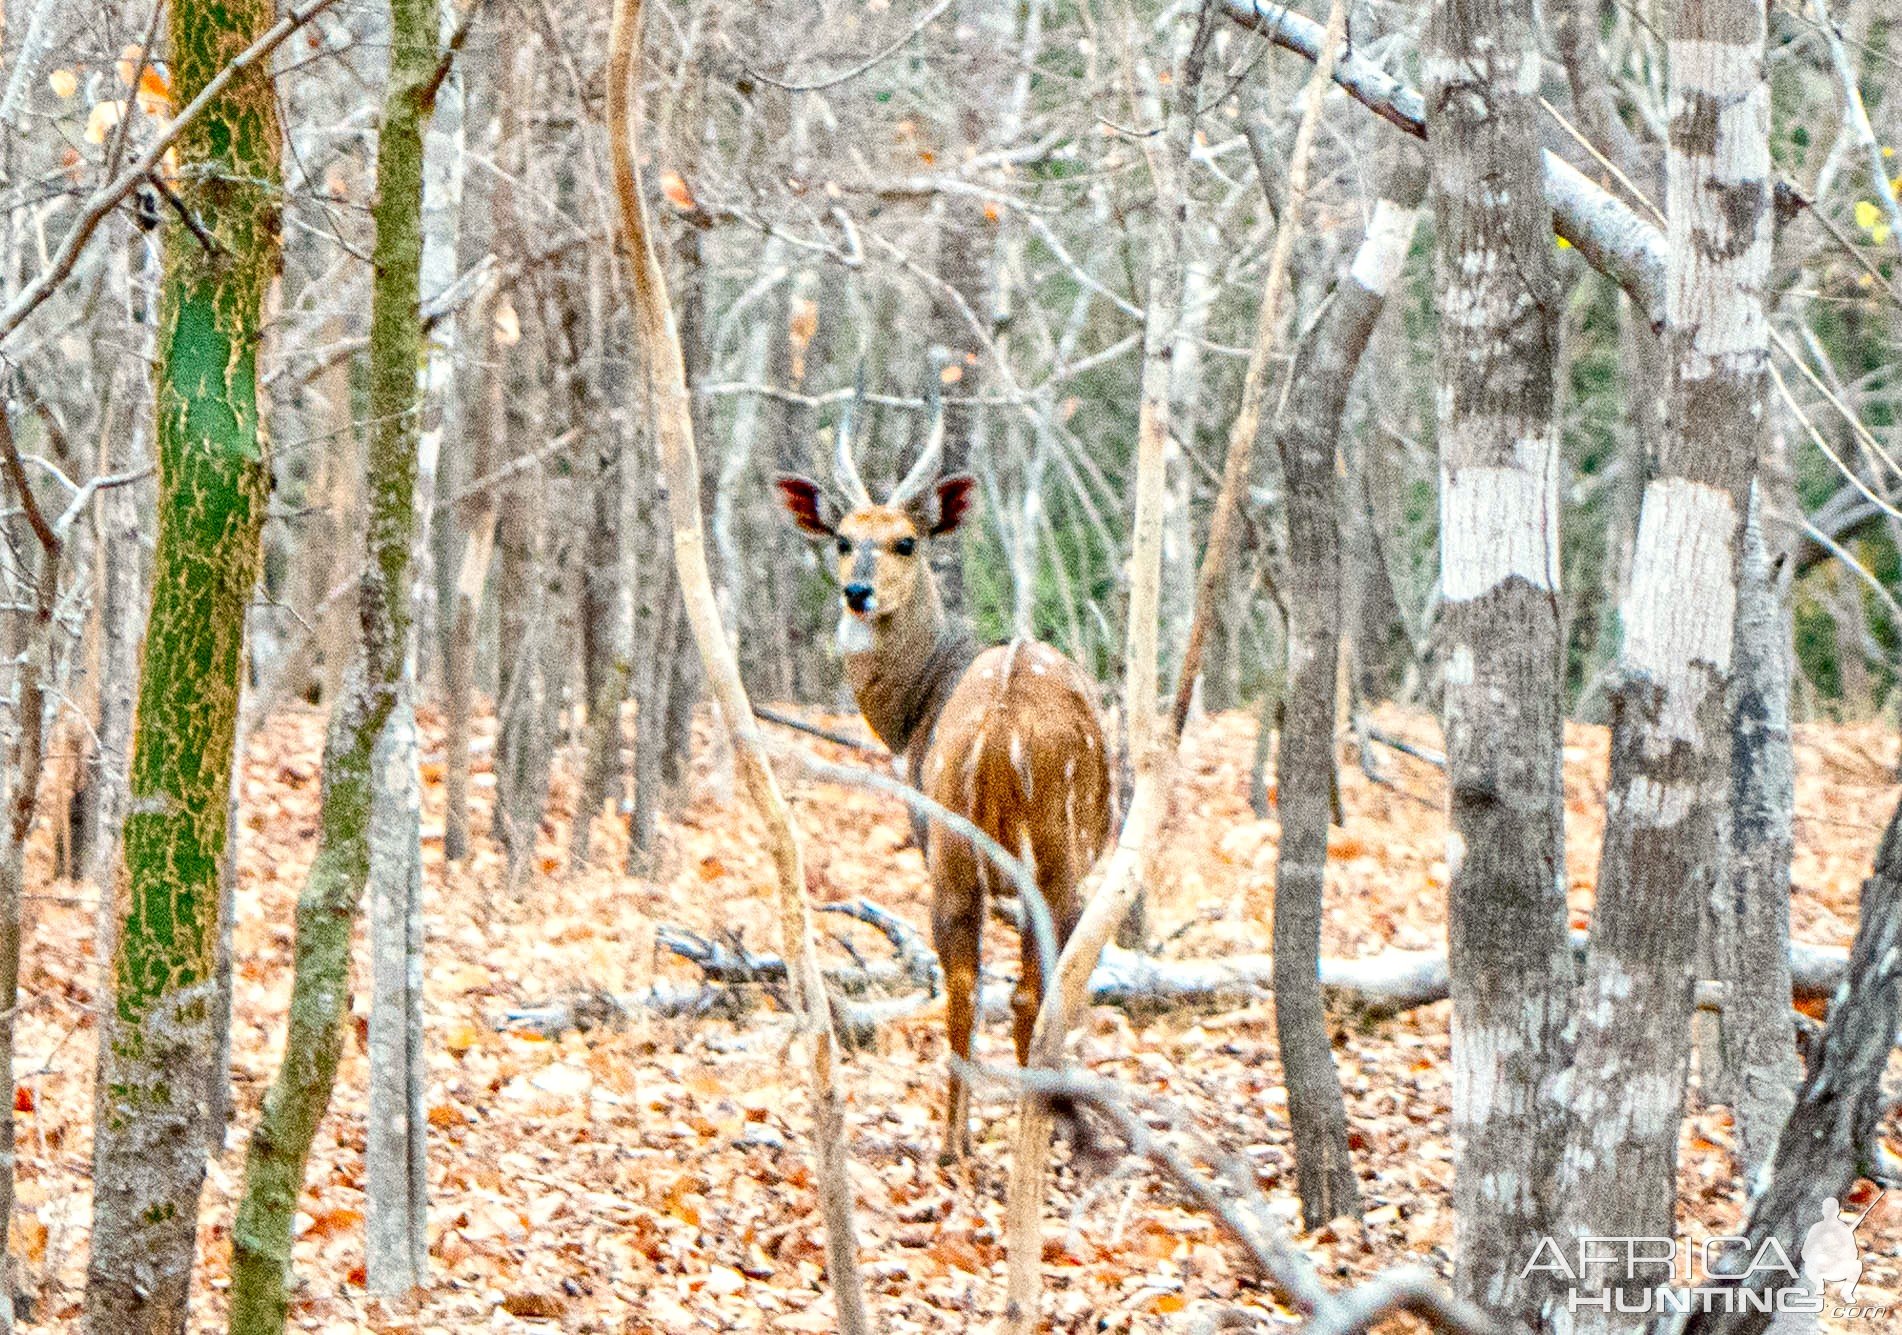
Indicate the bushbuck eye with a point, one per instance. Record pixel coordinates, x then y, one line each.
845 546
905 546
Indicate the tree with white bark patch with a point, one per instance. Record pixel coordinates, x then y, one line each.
1668 800
1499 632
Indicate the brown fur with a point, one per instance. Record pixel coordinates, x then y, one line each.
1018 750
1008 738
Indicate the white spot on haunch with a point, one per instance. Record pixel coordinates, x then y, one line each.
1019 763
1460 666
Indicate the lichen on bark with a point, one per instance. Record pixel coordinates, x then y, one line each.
326 910
159 1031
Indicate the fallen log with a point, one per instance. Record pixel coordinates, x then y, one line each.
867 994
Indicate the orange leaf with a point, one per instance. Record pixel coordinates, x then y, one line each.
539 1306
23 1099
332 1222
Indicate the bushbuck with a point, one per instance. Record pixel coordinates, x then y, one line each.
1007 736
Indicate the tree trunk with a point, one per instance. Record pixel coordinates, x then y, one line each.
1831 1132
480 417
1323 371
604 651
396 1177
326 910
158 1038
1149 735
655 620
1499 542
396 1183
1756 1039
1670 786
522 557
20 793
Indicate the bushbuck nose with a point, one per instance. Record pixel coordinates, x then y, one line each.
858 597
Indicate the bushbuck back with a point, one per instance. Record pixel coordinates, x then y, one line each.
1008 737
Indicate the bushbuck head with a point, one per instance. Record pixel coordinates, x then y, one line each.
881 548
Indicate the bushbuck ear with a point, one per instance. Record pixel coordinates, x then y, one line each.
952 498
807 505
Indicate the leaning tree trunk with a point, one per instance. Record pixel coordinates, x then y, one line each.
158 1038
326 910
1668 799
659 339
1304 761
1499 543
1832 1129
395 1167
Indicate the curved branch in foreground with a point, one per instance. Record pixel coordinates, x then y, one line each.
659 338
1236 1204
1612 237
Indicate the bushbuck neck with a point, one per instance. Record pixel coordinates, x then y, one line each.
902 679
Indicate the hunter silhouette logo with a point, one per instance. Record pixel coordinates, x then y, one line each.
1830 1255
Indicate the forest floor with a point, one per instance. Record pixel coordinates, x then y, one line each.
655 1177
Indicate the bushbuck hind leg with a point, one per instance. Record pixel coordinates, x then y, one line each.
957 917
1057 881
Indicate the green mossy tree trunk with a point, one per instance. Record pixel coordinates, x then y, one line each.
280 1144
159 1033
